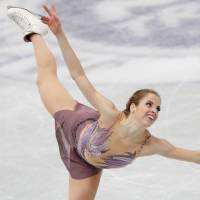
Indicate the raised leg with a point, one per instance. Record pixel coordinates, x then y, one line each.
84 189
54 96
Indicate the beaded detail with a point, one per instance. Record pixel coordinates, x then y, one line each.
145 141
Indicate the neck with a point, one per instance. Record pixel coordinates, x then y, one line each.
133 130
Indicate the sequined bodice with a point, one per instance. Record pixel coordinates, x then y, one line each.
94 143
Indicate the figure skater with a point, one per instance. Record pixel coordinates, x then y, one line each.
91 139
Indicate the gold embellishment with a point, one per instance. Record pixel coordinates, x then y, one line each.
145 141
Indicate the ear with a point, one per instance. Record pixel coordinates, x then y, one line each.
132 107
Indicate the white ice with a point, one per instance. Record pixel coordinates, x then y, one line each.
123 46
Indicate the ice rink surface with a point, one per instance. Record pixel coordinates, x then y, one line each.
123 46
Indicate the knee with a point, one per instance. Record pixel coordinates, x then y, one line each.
39 83
42 81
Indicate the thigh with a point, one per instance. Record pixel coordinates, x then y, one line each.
84 189
54 96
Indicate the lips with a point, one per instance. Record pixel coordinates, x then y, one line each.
151 117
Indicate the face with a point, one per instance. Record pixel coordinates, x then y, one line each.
148 109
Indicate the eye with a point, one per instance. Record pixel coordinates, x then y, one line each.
149 104
158 109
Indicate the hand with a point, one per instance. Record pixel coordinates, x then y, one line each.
52 20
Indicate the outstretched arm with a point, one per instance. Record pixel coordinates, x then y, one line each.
53 21
164 148
100 102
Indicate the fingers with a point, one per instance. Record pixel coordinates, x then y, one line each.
53 7
51 11
46 18
52 17
47 10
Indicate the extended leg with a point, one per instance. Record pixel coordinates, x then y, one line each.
54 96
84 189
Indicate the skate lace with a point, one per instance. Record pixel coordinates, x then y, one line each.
21 20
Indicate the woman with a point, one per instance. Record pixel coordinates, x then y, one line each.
91 139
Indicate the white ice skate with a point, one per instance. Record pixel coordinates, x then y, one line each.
28 21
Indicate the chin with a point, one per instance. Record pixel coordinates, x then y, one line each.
149 123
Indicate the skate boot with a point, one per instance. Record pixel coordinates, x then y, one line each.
28 21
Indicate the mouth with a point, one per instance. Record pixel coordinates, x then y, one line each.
151 117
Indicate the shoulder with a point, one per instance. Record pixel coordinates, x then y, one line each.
153 140
154 145
109 117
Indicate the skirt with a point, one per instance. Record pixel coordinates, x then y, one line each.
68 125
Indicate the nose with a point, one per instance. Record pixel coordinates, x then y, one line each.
154 111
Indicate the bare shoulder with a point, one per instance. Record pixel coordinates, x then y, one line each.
109 117
153 146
